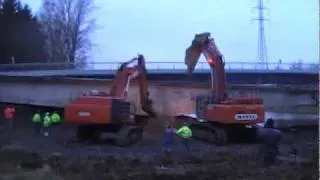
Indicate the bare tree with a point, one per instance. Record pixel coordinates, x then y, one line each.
67 25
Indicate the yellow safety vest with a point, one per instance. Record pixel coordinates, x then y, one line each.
46 121
36 118
184 132
55 118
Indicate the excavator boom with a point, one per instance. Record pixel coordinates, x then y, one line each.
204 44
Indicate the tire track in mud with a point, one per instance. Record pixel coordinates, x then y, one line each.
149 147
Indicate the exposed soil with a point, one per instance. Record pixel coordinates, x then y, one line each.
25 155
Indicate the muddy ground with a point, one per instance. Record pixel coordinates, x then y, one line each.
24 155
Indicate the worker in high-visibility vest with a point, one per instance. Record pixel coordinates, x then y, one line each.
47 123
55 118
36 119
9 113
185 133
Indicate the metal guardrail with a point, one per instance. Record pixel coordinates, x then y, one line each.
36 66
204 66
165 66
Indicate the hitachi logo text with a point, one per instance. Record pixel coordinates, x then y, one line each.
246 117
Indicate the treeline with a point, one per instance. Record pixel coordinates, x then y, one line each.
59 32
21 40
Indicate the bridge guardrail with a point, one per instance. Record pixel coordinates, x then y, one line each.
165 66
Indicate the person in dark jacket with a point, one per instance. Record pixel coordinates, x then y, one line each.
270 139
169 133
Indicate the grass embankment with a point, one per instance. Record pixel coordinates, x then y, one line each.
18 163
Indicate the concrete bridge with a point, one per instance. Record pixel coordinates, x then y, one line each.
59 87
171 89
237 72
169 97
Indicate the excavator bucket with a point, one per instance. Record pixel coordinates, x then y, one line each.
192 57
194 51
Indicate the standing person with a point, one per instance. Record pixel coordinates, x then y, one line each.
293 148
270 139
55 119
169 132
36 119
47 123
9 113
186 133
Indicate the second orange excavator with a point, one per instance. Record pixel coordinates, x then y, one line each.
218 117
110 115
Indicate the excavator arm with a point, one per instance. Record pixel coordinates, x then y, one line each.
123 78
145 101
204 44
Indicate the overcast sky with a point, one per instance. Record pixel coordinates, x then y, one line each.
162 29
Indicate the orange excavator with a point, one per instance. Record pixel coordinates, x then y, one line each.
219 118
110 116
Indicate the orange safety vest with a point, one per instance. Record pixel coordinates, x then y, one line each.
9 113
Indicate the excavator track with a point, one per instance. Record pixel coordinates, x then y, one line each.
141 121
209 133
221 135
206 131
129 135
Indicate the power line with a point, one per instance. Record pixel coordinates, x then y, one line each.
262 56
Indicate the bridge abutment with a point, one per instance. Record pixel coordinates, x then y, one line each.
168 98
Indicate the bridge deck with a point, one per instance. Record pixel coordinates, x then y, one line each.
97 72
237 73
